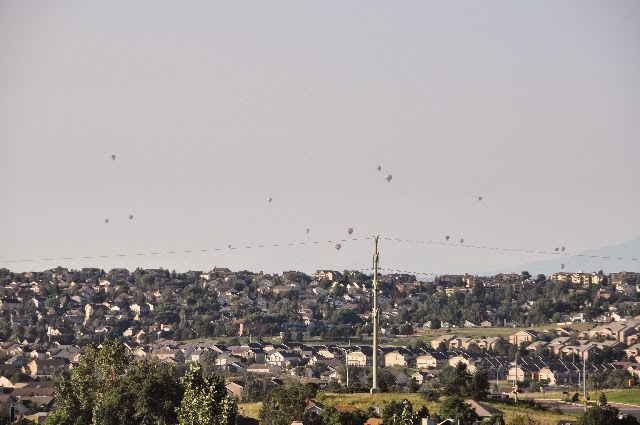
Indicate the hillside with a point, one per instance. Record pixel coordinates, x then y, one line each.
584 261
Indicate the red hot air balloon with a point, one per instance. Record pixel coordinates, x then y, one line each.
350 230
269 199
338 246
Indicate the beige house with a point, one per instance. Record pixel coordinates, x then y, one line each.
633 351
459 343
400 358
331 275
522 373
263 368
432 361
615 330
548 375
471 363
235 388
441 339
360 357
39 367
169 354
526 335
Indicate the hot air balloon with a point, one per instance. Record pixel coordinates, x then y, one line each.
113 157
379 168
130 216
461 240
269 199
447 237
562 266
479 198
388 177
106 221
562 249
307 231
338 246
557 249
229 246
350 230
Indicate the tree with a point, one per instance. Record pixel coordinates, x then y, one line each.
156 392
602 400
606 415
281 406
401 413
494 420
413 385
107 388
455 381
479 385
206 401
331 416
525 420
255 388
455 408
92 384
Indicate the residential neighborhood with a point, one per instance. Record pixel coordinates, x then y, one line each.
311 329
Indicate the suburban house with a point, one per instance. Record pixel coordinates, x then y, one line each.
263 368
399 357
444 339
362 356
39 367
434 360
526 335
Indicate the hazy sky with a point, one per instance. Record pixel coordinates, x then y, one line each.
212 107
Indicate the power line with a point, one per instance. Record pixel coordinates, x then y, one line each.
333 241
186 251
491 248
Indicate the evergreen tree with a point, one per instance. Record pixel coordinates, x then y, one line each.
455 408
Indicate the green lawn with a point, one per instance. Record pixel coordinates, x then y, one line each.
426 336
478 333
364 401
631 396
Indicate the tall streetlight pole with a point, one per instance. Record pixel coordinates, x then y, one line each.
584 380
376 258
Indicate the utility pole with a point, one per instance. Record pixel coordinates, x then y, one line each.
346 361
376 258
515 381
584 380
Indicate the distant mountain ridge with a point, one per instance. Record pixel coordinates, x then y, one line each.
586 263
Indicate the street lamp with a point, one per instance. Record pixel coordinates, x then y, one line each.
346 362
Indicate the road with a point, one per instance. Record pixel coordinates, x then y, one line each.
576 409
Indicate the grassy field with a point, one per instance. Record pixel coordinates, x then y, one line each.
477 333
411 339
613 396
364 401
